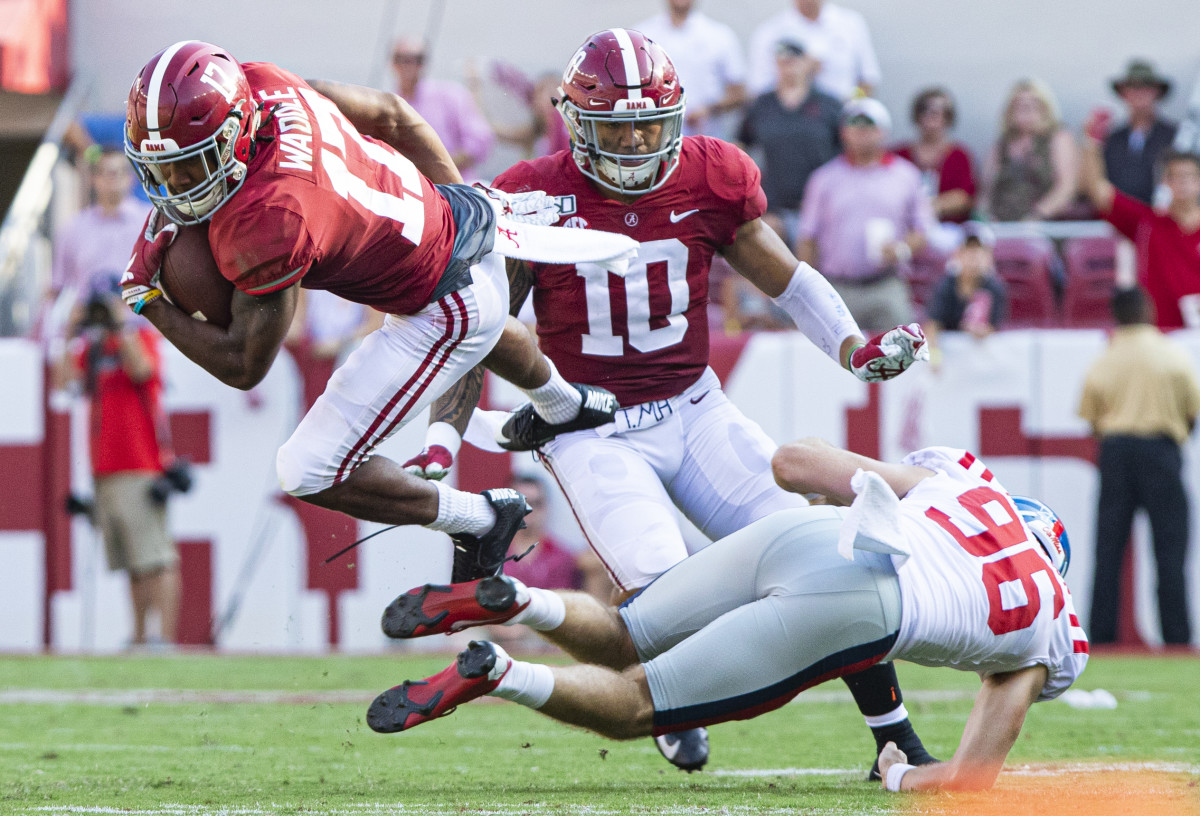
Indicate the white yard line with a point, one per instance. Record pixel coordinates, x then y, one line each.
398 809
382 809
128 697
172 696
1074 768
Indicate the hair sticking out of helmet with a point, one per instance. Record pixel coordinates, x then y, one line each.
623 106
1048 529
190 122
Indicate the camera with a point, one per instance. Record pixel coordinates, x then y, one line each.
176 478
98 311
77 505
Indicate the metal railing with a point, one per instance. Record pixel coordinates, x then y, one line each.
24 272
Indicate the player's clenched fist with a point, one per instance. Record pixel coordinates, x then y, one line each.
889 354
432 463
139 281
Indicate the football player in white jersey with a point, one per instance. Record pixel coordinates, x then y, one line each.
933 561
678 446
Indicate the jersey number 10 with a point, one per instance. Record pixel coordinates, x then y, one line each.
602 338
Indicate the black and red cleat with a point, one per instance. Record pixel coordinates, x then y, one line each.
478 670
440 609
483 555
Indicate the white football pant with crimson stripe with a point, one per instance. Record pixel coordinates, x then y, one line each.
394 375
696 452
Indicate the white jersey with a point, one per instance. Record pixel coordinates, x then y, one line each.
977 592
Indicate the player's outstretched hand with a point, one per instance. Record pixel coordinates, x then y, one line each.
889 756
432 463
889 354
139 283
533 207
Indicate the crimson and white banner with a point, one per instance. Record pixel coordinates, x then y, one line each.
253 571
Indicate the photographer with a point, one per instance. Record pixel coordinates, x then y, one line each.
117 361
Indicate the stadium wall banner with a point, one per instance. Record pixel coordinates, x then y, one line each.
253 559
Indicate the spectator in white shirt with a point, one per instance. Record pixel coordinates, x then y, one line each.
837 36
708 59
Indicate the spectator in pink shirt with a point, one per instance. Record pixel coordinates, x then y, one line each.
96 243
863 216
447 106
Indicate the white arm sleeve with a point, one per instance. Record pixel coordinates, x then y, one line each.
818 310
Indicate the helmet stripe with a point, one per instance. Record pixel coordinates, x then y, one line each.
156 81
633 76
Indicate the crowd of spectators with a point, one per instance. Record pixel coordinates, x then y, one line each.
898 227
796 94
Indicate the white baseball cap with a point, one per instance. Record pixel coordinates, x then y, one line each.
868 108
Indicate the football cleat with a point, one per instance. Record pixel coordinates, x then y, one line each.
686 750
525 430
479 556
434 609
477 671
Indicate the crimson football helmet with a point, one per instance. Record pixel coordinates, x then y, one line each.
1048 529
191 103
620 75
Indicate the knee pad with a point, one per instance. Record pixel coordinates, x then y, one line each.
297 475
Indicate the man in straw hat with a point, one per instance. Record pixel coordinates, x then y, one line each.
1132 151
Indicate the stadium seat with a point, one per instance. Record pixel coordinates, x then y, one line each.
1024 265
926 270
1091 266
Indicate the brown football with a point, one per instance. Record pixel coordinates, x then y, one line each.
190 278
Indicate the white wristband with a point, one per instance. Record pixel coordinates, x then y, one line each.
903 252
444 434
895 775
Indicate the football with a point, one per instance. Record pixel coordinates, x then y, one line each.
190 278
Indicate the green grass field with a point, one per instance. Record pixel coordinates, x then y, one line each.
200 734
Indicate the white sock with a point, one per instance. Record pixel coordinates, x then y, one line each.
461 512
556 401
896 715
529 684
546 610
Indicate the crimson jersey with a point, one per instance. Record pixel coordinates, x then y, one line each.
645 336
327 207
123 437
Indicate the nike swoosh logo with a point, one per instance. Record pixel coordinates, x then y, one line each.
668 749
696 400
677 217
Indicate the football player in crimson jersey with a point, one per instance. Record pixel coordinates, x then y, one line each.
677 441
293 195
934 562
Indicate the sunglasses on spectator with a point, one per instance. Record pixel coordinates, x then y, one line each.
408 59
860 120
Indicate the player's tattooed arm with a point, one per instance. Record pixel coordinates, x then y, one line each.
387 117
455 406
520 281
